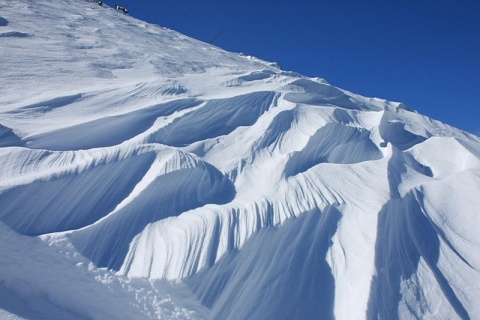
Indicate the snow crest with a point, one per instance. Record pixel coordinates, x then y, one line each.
180 180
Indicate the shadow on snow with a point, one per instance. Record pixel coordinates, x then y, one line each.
280 273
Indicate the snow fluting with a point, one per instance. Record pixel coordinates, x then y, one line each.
148 175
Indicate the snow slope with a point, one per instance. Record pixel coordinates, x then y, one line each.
145 174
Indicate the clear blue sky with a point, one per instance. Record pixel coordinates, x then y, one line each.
425 53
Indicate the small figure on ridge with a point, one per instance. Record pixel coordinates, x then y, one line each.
125 11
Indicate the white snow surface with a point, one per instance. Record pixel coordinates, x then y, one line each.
147 175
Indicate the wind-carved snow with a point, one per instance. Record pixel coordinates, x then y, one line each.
169 178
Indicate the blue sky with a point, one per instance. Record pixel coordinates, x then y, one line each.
424 53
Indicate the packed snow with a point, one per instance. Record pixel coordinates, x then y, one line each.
148 175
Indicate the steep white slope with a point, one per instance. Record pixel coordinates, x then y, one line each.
38 281
136 163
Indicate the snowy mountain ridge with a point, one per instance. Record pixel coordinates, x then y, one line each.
172 179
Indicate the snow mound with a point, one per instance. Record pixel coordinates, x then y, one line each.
8 137
145 174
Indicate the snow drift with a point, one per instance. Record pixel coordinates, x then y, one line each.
145 174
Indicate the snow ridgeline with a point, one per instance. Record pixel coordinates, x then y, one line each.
270 195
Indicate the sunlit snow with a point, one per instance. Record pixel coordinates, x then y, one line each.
147 175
